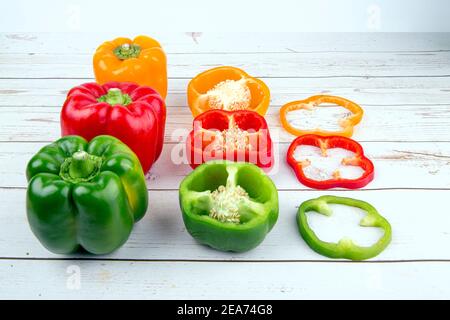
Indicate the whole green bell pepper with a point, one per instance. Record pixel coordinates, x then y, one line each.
230 206
85 195
345 248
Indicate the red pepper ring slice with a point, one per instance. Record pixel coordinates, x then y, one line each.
325 143
212 129
347 124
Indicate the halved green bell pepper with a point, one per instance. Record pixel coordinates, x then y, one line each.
345 248
85 195
230 206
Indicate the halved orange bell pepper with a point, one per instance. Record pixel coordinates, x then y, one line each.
141 61
347 123
227 88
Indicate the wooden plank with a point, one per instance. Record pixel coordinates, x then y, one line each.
133 280
314 64
214 42
398 165
365 91
380 123
419 228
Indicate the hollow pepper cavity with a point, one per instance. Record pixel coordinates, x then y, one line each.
230 206
345 248
357 159
141 61
227 88
134 114
85 195
346 124
232 135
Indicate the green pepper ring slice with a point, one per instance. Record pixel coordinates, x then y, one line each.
345 248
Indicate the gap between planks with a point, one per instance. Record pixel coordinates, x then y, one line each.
289 189
271 106
420 52
227 261
278 142
261 77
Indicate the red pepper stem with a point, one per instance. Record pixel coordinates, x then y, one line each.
115 97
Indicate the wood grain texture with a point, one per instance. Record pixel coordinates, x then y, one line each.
380 123
161 234
185 280
398 165
292 65
213 42
391 91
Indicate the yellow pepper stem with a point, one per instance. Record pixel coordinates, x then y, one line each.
127 51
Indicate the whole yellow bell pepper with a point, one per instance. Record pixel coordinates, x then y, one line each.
141 61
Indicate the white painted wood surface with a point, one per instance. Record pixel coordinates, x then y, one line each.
401 80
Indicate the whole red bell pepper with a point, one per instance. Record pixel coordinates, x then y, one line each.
230 135
134 114
357 158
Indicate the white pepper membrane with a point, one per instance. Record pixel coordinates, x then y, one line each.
322 117
322 167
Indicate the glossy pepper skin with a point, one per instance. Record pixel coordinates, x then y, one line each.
134 114
212 126
325 143
141 61
203 82
345 248
85 195
347 124
258 214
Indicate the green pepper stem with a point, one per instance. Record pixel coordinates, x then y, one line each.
81 166
114 97
127 51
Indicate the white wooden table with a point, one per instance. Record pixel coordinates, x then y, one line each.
401 80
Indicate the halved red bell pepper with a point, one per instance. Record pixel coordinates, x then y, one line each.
357 159
230 135
134 114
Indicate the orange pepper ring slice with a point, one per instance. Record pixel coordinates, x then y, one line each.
347 124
